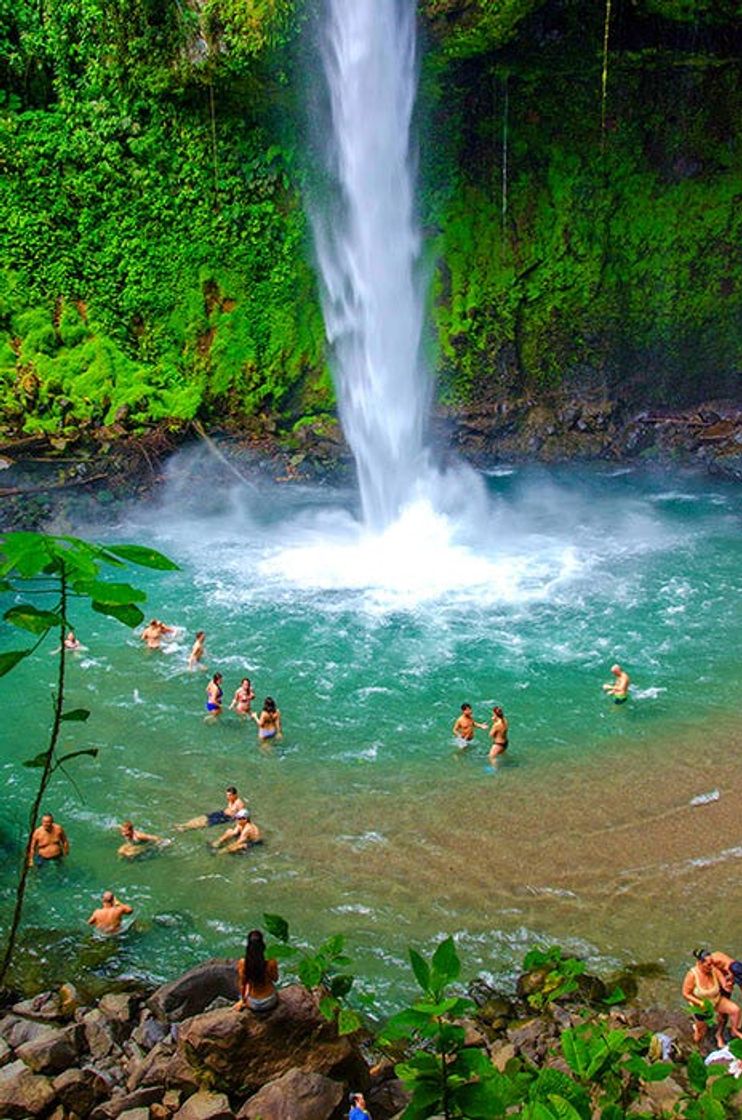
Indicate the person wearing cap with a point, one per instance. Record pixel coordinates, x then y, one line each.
241 836
702 987
107 918
358 1110
618 688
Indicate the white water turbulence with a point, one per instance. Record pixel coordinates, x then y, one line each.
368 246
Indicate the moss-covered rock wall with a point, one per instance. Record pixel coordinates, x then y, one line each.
581 206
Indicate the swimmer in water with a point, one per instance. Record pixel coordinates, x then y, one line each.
154 632
214 694
498 733
269 721
241 836
619 688
463 728
136 842
48 842
70 644
220 816
242 699
107 918
197 652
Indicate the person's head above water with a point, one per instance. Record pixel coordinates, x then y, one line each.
246 681
108 898
498 712
200 633
47 820
616 669
269 704
466 707
216 678
127 828
231 792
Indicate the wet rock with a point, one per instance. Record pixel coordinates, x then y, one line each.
295 1096
591 989
80 1090
235 1049
16 1031
191 993
206 1106
53 1052
120 1007
531 982
496 1013
23 1093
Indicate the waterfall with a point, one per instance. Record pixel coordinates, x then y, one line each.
368 245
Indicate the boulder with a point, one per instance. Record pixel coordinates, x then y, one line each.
501 1053
238 1050
295 1096
150 1031
52 1052
192 992
16 1030
44 1007
127 1102
23 1093
206 1106
388 1099
135 1114
121 1007
80 1090
69 1000
99 1034
496 1013
164 1065
6 1053
532 1039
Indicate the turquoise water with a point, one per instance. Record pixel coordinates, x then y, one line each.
375 824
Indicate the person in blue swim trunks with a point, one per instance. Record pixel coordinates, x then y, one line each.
269 721
214 694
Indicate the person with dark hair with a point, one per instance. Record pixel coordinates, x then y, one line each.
358 1110
48 842
214 694
728 970
195 657
219 816
498 732
463 728
242 699
257 976
701 987
269 720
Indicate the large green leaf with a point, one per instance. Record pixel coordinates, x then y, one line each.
276 926
75 715
27 617
421 970
124 612
341 985
697 1071
144 557
310 972
10 659
24 553
349 1021
91 751
38 761
104 592
446 966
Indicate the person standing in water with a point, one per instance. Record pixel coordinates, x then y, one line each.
197 652
242 699
214 694
619 688
48 842
498 732
463 728
269 721
107 918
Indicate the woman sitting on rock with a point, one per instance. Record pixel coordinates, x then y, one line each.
256 975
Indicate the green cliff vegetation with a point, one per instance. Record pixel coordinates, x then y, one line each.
156 256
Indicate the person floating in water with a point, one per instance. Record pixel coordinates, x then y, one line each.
358 1110
107 918
257 976
197 652
702 986
136 842
154 632
619 688
234 805
214 694
241 836
242 699
463 728
498 733
269 720
48 842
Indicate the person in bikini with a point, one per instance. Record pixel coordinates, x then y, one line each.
618 688
48 842
234 805
498 733
257 976
701 986
269 721
463 728
242 699
214 694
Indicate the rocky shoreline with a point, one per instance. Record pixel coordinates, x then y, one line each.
184 1050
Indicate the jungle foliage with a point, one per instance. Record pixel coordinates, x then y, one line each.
156 258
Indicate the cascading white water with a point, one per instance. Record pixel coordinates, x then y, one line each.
368 245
